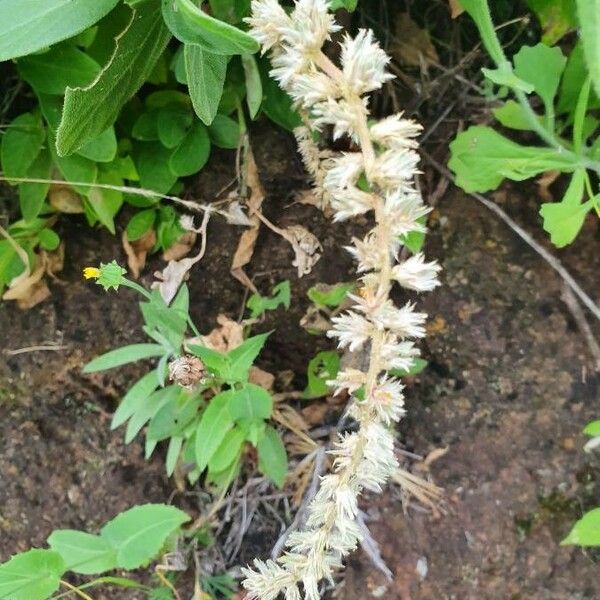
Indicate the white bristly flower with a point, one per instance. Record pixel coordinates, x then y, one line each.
416 274
364 62
335 100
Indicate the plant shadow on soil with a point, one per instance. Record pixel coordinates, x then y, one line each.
508 390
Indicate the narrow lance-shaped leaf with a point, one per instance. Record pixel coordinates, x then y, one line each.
89 111
589 21
122 356
214 424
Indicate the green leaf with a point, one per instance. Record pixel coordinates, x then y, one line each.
242 357
89 111
329 295
479 11
134 398
145 127
580 114
563 220
173 417
250 402
224 132
321 368
414 240
104 202
49 239
277 105
228 451
541 66
32 575
418 365
506 76
139 533
59 67
149 408
588 12
557 17
28 26
592 429
272 457
192 153
140 223
349 5
214 361
102 148
511 114
586 531
175 444
205 74
21 143
191 25
32 195
214 424
280 295
122 356
82 552
152 163
172 124
254 92
482 158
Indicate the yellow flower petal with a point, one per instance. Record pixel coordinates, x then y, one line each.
91 273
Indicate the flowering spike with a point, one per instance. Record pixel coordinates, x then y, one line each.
379 180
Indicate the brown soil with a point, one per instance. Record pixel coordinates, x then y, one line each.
509 387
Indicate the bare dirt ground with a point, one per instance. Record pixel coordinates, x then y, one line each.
509 386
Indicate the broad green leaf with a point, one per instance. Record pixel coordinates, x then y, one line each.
254 92
152 163
277 105
563 220
506 76
231 11
89 111
82 552
321 368
511 115
280 295
588 12
205 75
224 132
272 457
417 366
74 168
22 141
149 408
61 66
592 429
329 295
32 575
228 451
172 124
102 148
11 264
586 531
191 25
140 223
32 195
542 67
349 5
173 417
139 533
146 126
479 11
49 239
557 17
192 153
250 402
122 356
164 98
105 202
242 357
214 361
134 398
214 424
414 240
482 158
30 25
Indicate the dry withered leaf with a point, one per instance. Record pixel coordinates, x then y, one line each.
37 293
260 377
455 8
314 321
181 247
65 200
228 335
137 251
434 455
307 248
55 260
235 214
412 45
20 286
172 276
544 181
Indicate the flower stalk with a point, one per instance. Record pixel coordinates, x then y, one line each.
377 179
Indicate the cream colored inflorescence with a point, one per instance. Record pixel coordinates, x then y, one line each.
377 179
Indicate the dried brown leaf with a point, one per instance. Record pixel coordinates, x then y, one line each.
181 247
172 276
262 378
455 8
65 200
412 45
544 181
137 251
307 248
228 335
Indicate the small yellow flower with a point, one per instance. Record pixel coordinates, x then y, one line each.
91 273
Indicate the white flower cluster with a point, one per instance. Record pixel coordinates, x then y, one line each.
378 179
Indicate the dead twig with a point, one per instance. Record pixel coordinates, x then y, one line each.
40 348
371 547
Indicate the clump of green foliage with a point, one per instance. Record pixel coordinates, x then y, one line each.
130 93
567 90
